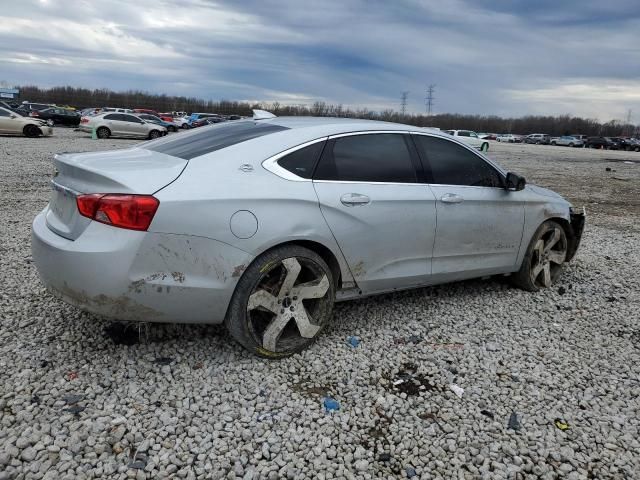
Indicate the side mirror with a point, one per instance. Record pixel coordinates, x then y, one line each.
515 182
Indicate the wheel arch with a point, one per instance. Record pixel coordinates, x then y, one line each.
573 239
30 126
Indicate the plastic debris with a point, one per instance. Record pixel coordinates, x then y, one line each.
384 457
139 463
72 375
487 413
75 409
411 472
561 424
459 391
330 404
514 422
415 339
562 290
353 341
72 398
163 360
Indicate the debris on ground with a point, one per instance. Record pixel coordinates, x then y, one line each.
163 360
75 409
459 391
410 382
561 424
353 341
487 413
384 457
267 416
330 404
411 472
514 422
72 375
415 339
562 290
72 398
139 462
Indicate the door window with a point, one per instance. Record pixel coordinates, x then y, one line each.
130 118
4 113
380 157
112 116
302 161
452 164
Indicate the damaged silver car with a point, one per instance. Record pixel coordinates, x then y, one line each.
265 223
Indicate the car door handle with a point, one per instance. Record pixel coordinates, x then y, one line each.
354 199
451 198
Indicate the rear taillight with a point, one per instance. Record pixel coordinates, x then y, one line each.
133 212
84 120
34 114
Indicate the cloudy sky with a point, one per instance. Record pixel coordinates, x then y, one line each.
504 57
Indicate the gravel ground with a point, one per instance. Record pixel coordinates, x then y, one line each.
185 402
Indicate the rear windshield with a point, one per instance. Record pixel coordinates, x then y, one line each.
205 140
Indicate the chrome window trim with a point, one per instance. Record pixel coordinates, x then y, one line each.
366 132
271 163
370 183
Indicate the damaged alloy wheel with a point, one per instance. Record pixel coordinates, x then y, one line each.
542 264
282 302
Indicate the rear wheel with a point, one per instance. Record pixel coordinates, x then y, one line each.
552 143
282 302
542 264
185 126
103 132
538 142
154 134
571 145
31 131
172 128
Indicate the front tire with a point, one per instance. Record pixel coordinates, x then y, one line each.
31 131
282 303
153 134
546 254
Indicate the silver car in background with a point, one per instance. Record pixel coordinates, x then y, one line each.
264 223
126 125
567 141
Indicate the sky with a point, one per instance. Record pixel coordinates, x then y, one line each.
490 57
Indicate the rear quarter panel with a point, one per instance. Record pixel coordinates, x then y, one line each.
212 188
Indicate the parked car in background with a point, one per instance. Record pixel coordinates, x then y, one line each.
488 136
112 124
566 141
538 139
116 109
580 137
26 108
506 138
470 138
634 144
13 123
148 111
170 126
9 106
198 116
207 121
622 143
57 116
600 142
181 122
263 225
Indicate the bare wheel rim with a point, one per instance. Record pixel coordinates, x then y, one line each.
549 253
289 304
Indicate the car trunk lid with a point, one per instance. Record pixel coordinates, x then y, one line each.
135 170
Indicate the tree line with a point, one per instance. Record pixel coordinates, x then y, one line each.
552 125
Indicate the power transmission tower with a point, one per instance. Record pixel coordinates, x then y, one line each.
430 98
403 102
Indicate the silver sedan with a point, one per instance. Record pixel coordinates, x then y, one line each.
264 223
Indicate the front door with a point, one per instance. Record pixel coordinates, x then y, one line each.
381 217
479 223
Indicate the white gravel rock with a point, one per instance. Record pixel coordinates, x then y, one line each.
570 352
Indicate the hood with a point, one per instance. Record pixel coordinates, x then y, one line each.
545 192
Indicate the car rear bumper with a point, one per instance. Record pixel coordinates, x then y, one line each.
139 276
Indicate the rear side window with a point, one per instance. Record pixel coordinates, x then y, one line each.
452 164
302 161
367 158
112 116
130 118
209 139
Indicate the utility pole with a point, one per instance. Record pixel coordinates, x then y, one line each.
403 103
430 98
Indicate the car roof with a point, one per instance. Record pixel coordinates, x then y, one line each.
323 126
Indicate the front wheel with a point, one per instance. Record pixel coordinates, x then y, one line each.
484 147
31 131
542 264
103 132
154 134
282 302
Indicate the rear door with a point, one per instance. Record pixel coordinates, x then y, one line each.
381 215
134 126
6 122
479 223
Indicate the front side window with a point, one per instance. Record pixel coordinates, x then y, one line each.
206 140
463 133
452 164
302 161
130 118
382 157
